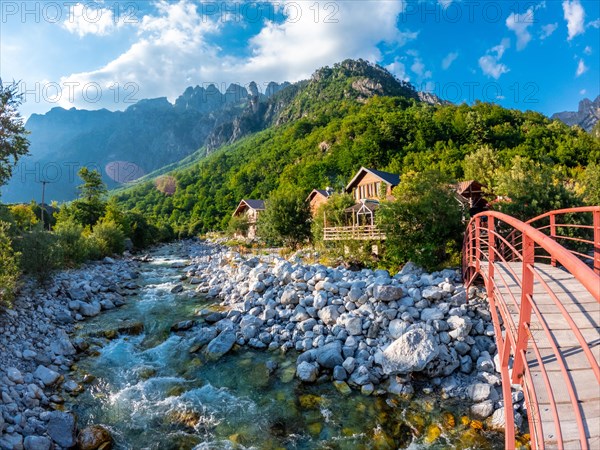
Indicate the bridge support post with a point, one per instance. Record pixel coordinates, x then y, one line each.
525 308
553 236
597 242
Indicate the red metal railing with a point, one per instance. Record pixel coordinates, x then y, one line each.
509 255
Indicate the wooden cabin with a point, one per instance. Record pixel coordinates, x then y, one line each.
371 184
470 194
368 187
251 209
317 198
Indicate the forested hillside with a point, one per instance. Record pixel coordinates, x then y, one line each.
334 138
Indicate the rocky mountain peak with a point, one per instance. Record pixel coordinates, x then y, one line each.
586 116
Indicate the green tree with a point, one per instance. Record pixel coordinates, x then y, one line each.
481 166
531 188
424 223
24 216
13 141
91 204
590 183
286 220
40 253
9 267
238 225
332 212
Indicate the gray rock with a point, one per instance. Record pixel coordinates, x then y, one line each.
479 392
329 314
432 293
221 344
339 373
11 441
483 410
460 326
410 353
353 325
397 328
307 372
61 345
46 376
14 375
177 289
37 443
320 300
289 297
89 309
431 314
349 364
330 355
61 428
387 293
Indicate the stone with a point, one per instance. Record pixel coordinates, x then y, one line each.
221 344
483 410
479 392
89 309
93 438
11 441
61 345
431 314
397 328
349 364
183 325
178 288
307 372
339 373
330 355
342 387
61 428
387 293
320 300
353 325
289 297
432 293
460 326
14 375
410 353
37 443
46 376
367 389
329 315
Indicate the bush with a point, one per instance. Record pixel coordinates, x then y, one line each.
334 211
238 225
40 253
424 223
73 245
286 220
9 268
108 238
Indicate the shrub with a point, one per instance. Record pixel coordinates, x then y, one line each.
286 220
424 223
108 238
74 246
40 253
334 211
9 268
238 225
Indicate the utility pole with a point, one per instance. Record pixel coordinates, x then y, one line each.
44 183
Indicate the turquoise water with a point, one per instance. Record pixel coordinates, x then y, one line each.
151 392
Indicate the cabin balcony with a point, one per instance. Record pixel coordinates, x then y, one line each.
353 233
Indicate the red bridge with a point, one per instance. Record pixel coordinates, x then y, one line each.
543 286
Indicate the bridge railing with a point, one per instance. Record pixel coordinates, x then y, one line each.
493 238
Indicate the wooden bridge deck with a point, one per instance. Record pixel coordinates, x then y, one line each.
585 312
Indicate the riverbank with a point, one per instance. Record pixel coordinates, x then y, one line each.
37 353
361 332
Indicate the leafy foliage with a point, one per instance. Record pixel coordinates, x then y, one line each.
238 225
13 141
424 223
333 211
9 267
24 216
286 220
40 253
335 138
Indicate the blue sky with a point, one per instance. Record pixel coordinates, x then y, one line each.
540 55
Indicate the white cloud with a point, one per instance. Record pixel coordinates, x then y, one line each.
583 92
519 24
490 62
445 3
574 14
82 19
547 30
174 47
398 69
581 68
594 24
449 59
587 50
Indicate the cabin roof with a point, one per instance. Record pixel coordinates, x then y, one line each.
469 186
316 192
390 178
258 205
369 205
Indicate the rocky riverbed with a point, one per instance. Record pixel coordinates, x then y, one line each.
366 334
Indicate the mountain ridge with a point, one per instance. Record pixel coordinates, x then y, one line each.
586 116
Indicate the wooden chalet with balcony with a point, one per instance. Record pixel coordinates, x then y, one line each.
317 198
250 209
368 187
